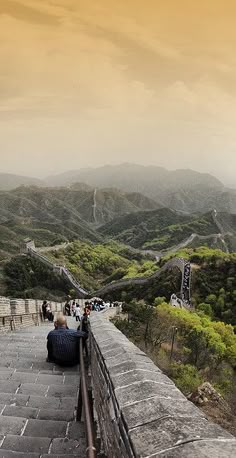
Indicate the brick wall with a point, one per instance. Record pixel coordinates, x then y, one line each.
140 411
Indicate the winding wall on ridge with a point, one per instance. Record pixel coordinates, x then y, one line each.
183 265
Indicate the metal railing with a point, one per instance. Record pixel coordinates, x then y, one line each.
85 401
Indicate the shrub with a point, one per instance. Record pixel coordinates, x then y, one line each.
186 377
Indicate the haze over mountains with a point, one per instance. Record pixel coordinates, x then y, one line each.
53 215
182 190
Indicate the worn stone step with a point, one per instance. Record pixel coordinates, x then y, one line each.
63 456
38 402
14 399
8 386
26 444
10 454
56 414
46 428
66 446
51 402
11 425
19 411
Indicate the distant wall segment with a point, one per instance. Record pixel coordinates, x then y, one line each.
141 413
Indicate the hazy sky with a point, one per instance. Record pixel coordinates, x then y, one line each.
88 82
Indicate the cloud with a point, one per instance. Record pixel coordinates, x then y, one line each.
102 81
25 13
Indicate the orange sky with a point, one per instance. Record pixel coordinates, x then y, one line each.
87 82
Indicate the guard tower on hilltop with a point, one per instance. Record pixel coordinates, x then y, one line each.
27 245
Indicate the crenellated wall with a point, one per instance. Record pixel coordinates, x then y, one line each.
20 313
141 413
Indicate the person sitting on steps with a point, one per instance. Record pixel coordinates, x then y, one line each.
63 343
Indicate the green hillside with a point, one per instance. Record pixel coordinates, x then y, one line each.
52 216
164 229
93 265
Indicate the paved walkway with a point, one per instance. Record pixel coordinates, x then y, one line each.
37 400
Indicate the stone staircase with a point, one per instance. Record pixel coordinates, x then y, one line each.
37 400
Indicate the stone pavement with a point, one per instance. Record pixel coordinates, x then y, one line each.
37 400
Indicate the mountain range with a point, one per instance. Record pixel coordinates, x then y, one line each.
182 190
54 215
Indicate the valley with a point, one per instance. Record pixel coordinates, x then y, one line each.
118 241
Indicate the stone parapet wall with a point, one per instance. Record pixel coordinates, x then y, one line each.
11 323
30 306
17 306
20 313
5 306
140 411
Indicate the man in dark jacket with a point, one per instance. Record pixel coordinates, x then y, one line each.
63 344
44 309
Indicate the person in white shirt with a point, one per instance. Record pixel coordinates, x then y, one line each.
77 312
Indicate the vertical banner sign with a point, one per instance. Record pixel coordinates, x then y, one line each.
185 290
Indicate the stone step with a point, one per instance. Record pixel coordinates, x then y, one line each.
26 444
42 446
10 454
37 402
38 413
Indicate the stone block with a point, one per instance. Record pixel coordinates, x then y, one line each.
44 402
18 411
9 454
13 399
50 379
139 391
76 431
5 306
26 444
5 375
202 449
25 363
9 425
60 391
67 403
45 428
17 306
33 389
30 306
22 377
169 432
7 386
57 415
68 446
152 409
138 376
59 456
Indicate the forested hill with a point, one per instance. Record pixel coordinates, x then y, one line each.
164 229
54 215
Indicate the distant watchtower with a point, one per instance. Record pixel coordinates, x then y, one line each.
27 245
